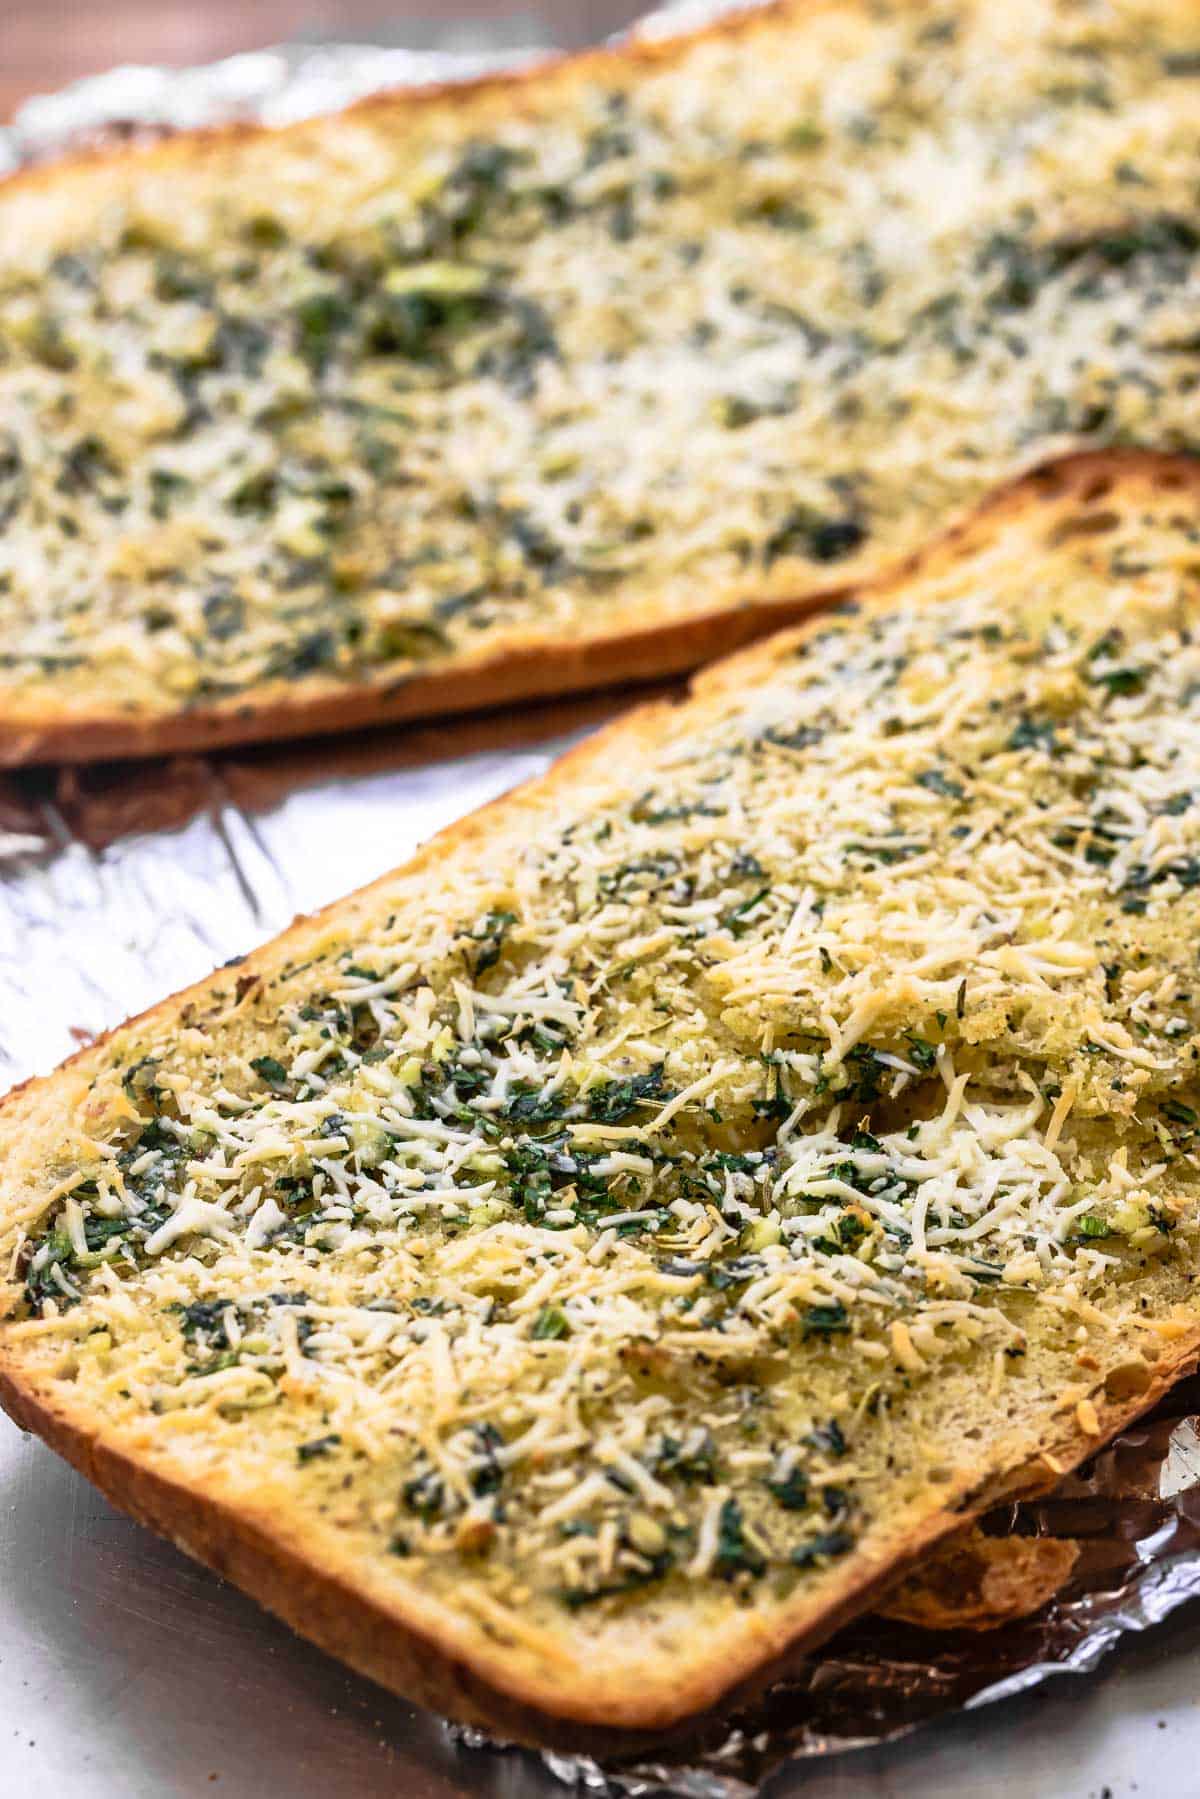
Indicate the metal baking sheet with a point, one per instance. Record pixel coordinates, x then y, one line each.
125 1669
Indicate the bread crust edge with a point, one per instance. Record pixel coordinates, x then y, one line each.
418 1651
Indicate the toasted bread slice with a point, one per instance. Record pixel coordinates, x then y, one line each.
577 376
594 1261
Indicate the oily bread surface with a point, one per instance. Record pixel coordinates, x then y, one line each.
797 472
606 1677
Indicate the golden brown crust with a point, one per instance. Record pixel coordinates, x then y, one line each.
401 1636
618 60
539 670
418 1650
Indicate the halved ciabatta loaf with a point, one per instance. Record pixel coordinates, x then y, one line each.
596 1259
576 376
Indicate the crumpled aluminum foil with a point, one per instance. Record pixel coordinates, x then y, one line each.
120 883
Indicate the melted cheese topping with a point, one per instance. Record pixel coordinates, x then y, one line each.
636 1195
428 382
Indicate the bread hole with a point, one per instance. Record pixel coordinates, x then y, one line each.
1099 489
1084 524
1127 1380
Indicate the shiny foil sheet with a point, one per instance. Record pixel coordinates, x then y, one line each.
121 883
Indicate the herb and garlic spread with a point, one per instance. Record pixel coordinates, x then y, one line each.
444 380
664 1180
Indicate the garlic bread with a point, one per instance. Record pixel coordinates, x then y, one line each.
574 376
